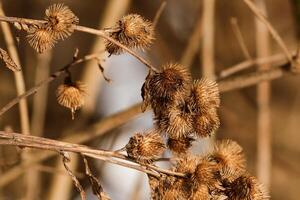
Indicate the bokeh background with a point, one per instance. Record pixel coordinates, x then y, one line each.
180 37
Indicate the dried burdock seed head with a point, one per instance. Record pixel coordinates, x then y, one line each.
41 39
132 31
9 63
181 189
61 21
180 145
201 192
207 173
230 159
180 122
186 164
71 95
246 187
207 123
205 94
170 85
145 148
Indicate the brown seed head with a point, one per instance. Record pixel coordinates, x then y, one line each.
132 31
145 147
61 21
205 94
41 39
207 173
9 63
186 164
180 145
170 86
207 123
230 159
246 187
201 192
71 95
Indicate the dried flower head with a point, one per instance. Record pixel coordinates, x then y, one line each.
201 192
40 39
61 21
230 158
180 122
145 147
9 63
186 164
206 123
170 85
207 173
180 145
71 95
132 31
206 94
246 187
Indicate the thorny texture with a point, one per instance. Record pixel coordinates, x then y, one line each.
184 110
205 179
60 24
144 148
8 61
71 95
132 31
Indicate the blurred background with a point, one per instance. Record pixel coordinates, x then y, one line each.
205 36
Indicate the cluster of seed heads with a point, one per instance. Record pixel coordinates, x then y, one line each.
60 24
185 110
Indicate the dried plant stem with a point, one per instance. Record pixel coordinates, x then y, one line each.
249 63
208 61
263 100
23 108
239 36
100 33
90 133
46 81
158 13
114 10
272 31
54 145
65 160
193 45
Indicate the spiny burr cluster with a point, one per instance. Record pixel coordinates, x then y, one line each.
219 175
133 31
60 23
183 109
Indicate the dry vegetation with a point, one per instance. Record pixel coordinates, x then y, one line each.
186 110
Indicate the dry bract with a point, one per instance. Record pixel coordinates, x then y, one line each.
60 24
41 39
132 31
71 95
145 147
230 159
61 21
9 63
246 187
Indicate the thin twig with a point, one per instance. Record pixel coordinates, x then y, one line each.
264 149
239 36
272 31
65 160
158 13
100 33
208 60
54 145
46 81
